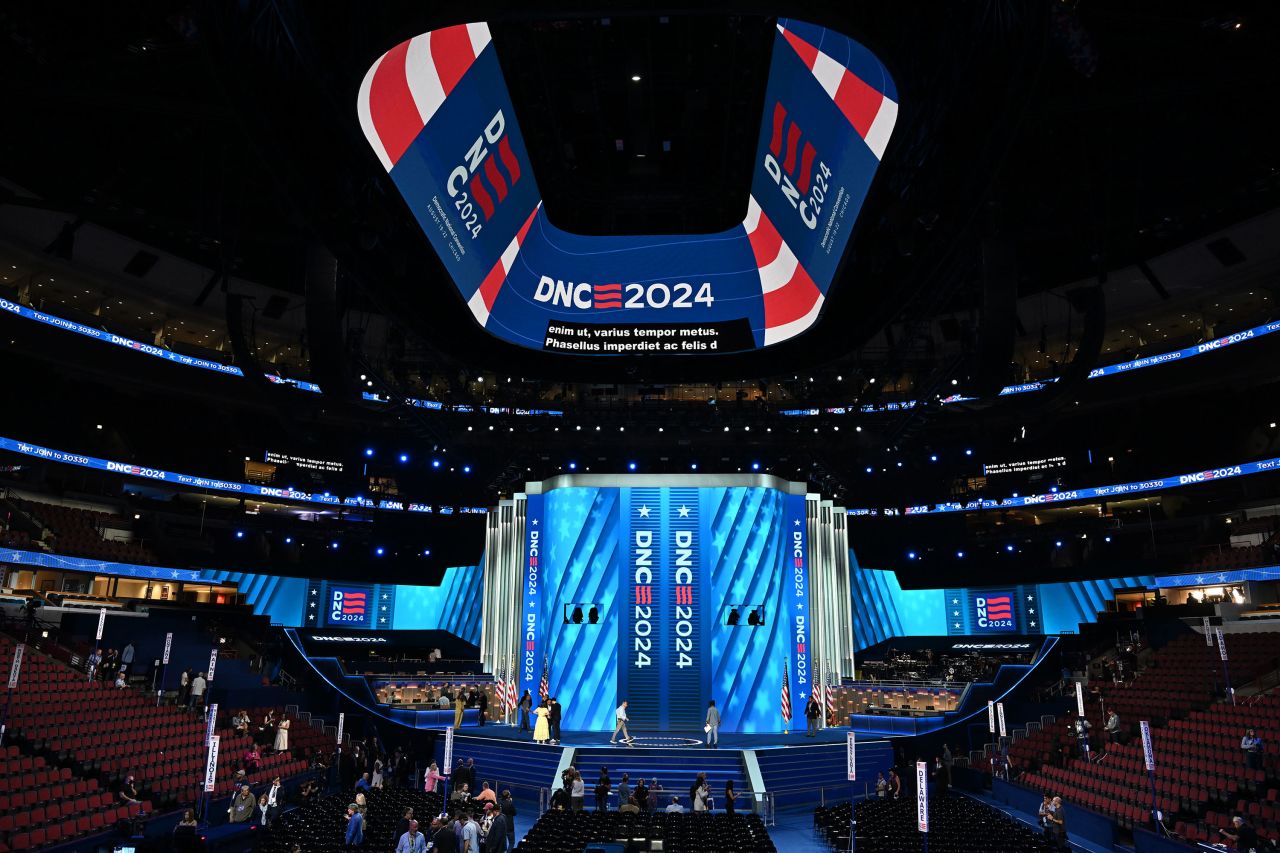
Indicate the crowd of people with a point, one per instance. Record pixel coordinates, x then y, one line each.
640 796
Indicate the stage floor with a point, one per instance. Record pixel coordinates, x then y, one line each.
666 740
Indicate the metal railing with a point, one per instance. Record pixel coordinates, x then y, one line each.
761 803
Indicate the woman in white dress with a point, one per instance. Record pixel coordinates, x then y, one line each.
282 736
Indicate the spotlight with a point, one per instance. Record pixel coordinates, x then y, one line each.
933 457
955 381
968 452
1009 548
1058 544
404 457
733 617
334 546
597 427
911 555
631 466
635 78
693 466
593 615
573 466
466 469
368 451
426 552
380 550
868 469
288 540
1106 539
755 466
435 463
857 429
239 534
959 555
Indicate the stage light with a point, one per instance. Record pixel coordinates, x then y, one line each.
334 546
746 429
578 428
239 534
469 429
857 429
868 469
288 540
733 617
573 466
933 457
755 466
99 426
1057 544
726 429
363 377
368 451
380 551
693 466
899 464
911 555
955 381
597 428
622 429
426 552
1106 539
968 452
466 469
659 429
836 428
631 466
959 555
435 463
1272 425
872 380
593 615
635 78
404 457
1009 548
1053 489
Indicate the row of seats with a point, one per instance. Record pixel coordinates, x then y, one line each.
320 826
956 825
571 832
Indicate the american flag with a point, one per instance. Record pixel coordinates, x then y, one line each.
501 690
786 693
544 687
512 698
820 693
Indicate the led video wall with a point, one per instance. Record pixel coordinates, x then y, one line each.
438 115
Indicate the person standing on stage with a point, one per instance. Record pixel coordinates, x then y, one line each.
811 714
621 716
526 705
458 705
713 725
553 720
541 729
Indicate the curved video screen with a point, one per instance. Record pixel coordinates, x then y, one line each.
438 115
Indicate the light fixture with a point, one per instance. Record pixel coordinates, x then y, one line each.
379 551
635 78
631 466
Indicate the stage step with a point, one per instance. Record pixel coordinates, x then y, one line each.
675 770
794 774
520 765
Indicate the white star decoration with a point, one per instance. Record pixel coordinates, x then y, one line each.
1029 598
955 612
1033 624
957 624
313 592
384 596
684 512
644 511
797 522
955 601
535 522
1031 610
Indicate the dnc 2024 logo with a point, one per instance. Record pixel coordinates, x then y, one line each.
993 611
349 606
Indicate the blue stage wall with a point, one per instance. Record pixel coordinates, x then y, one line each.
280 599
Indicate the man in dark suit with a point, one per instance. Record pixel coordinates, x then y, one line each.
496 840
554 720
508 806
482 700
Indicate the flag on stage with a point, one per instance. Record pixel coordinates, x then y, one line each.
513 699
820 693
500 693
544 688
786 694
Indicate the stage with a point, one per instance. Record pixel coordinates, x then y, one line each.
664 740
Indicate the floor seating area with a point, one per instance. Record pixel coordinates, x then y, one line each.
78 532
571 832
1201 777
956 825
321 825
75 741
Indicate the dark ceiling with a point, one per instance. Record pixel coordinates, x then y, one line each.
1084 135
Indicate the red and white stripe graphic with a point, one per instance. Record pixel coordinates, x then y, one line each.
869 111
408 83
792 301
481 302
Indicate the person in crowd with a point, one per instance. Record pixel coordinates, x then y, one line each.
1241 834
811 714
620 716
526 706
275 799
403 826
624 789
355 826
241 808
895 784
93 662
459 705
377 779
263 811
470 834
444 702
184 834
461 794
459 774
578 791
110 663
282 736
240 722
431 778
730 796
198 685
1057 830
482 702
121 681
702 796
412 841
188 819
553 720
362 784
1252 746
252 759
508 806
495 837
629 807
443 838
1046 806
542 728
560 800
604 786
1112 726
129 790
938 774
472 777
126 656
882 786
641 794
655 795
948 760
675 807
712 725
184 687
486 794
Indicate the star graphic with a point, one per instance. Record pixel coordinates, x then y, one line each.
1028 598
1033 624
384 596
644 511
535 522
383 620
799 606
313 592
800 694
955 601
797 522
957 624
684 512
1200 579
955 612
155 573
1222 577
175 574
384 608
1031 610
531 605
312 604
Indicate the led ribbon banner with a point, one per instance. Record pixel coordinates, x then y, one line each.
250 489
437 113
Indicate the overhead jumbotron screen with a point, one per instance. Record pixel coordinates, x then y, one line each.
439 117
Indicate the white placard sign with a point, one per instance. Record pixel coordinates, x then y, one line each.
102 621
991 716
1080 699
1000 717
1222 645
213 661
448 750
1148 754
922 796
16 669
211 766
211 723
342 719
168 645
1208 633
851 749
